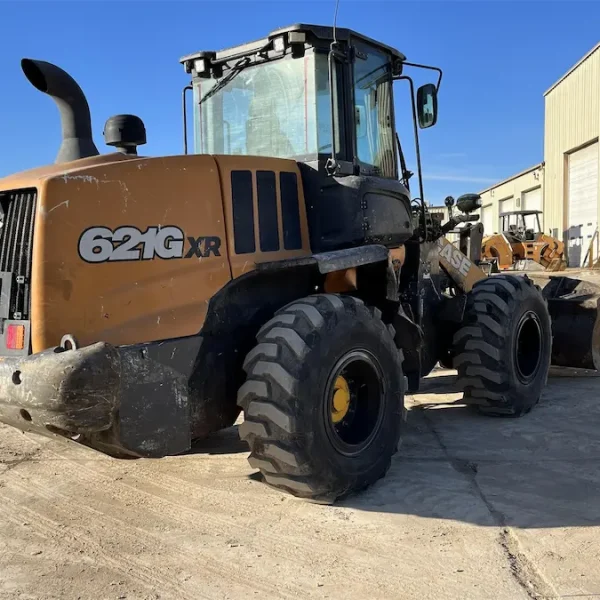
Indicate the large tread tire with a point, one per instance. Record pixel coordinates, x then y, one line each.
490 372
284 397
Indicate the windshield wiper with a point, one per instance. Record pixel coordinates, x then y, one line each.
406 174
237 68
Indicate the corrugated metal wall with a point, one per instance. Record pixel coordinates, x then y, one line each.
513 189
572 120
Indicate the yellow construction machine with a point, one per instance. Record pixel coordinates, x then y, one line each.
523 245
282 268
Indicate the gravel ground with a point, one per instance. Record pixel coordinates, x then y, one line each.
472 508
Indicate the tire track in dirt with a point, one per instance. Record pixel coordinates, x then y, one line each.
50 528
371 560
208 495
224 573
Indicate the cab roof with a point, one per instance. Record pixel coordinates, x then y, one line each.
315 34
520 212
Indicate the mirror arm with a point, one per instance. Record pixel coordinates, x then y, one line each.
418 66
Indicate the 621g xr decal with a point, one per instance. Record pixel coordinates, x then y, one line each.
101 244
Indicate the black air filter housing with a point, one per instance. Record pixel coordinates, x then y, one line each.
125 132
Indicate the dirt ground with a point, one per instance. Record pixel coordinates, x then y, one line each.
472 508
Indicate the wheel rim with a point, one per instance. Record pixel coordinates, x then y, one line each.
528 347
354 402
340 403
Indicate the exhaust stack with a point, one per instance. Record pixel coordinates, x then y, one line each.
75 117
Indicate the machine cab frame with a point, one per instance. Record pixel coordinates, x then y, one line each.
272 97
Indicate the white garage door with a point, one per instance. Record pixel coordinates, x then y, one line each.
486 219
532 200
583 202
506 205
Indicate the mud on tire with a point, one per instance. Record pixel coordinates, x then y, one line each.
288 397
502 351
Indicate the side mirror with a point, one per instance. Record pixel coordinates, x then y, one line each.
427 105
360 116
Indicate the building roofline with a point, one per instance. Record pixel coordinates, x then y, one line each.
534 168
575 66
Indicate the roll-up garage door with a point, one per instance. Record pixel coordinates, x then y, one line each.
583 202
506 205
532 200
486 219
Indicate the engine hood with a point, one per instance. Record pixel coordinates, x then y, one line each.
33 177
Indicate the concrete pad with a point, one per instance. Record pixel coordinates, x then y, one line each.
473 507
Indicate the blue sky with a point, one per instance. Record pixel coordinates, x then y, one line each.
498 59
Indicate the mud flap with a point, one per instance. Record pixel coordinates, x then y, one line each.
154 417
574 309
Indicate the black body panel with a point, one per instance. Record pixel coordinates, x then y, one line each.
290 211
267 211
243 212
16 251
354 210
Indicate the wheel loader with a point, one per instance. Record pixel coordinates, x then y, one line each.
523 245
280 268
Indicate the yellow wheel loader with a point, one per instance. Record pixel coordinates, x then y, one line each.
280 268
523 245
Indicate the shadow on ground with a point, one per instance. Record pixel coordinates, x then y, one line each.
542 470
226 441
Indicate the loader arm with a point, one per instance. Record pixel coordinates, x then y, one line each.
460 268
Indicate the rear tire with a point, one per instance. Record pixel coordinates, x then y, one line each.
298 440
502 351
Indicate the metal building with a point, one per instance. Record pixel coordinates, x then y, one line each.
572 127
523 191
566 186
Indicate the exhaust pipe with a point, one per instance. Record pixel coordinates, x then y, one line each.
75 117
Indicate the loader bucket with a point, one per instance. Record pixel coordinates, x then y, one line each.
574 309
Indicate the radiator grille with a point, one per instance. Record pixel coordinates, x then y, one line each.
16 247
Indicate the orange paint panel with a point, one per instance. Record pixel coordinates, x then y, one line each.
113 259
339 282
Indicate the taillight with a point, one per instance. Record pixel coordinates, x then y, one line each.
15 337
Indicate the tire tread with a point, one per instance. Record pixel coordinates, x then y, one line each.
479 345
268 395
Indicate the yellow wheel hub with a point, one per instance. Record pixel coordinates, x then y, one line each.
341 399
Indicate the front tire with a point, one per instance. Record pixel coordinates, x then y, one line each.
323 400
502 351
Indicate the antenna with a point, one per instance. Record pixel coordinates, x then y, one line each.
335 14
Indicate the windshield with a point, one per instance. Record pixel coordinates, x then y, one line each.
520 222
265 110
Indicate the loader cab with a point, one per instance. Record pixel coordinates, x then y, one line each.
323 98
521 225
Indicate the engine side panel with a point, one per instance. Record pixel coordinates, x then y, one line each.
128 252
265 212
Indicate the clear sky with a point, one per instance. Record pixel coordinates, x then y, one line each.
498 59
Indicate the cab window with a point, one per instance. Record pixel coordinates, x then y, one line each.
373 112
